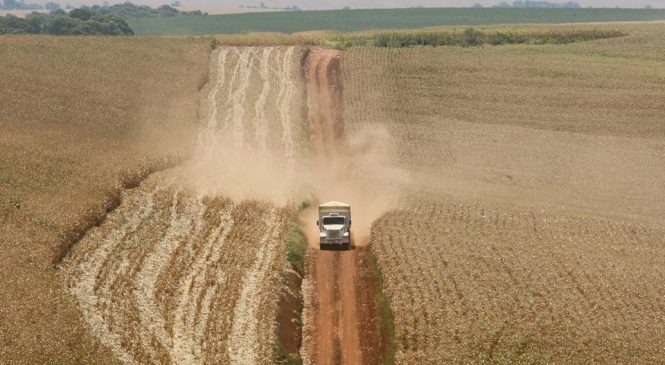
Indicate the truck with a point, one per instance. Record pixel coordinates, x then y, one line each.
334 225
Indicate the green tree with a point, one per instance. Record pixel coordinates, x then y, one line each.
12 24
63 25
36 22
82 13
473 37
167 11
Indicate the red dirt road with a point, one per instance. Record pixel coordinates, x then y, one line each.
344 293
337 337
346 327
324 101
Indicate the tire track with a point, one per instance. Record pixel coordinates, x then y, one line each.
244 340
284 98
237 97
85 288
219 70
261 138
152 322
189 321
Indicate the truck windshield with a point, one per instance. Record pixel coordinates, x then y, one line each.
333 220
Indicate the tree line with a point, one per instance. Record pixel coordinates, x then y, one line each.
129 10
94 20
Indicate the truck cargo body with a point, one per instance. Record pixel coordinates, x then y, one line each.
334 225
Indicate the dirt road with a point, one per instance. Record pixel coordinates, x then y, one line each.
343 294
336 318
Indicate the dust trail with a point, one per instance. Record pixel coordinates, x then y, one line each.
356 168
260 165
259 108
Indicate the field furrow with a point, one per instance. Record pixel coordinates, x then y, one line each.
260 106
476 291
179 273
284 99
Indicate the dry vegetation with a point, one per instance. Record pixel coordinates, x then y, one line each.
436 36
174 274
574 127
470 283
181 274
533 227
532 232
78 118
172 277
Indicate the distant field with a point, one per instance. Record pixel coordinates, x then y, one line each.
21 13
357 20
217 9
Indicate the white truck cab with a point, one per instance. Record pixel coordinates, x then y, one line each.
334 225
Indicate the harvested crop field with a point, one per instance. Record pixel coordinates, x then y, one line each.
509 200
172 277
532 231
80 118
180 273
473 283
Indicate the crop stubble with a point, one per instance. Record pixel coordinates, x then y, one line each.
179 273
78 118
471 283
593 266
533 229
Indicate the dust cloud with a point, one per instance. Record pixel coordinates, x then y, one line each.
250 145
356 168
241 173
361 174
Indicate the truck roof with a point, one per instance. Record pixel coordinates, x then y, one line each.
334 204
